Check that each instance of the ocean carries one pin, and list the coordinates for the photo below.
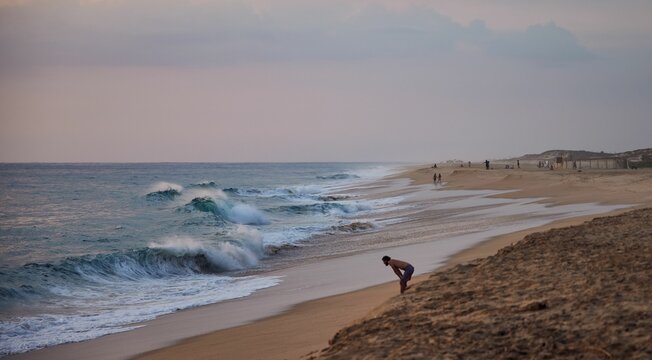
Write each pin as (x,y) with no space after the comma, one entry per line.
(90,249)
(93,249)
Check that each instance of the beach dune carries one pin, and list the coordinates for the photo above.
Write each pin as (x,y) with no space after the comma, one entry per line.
(576,292)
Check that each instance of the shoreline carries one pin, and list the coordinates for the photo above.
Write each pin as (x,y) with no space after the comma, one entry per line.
(306,326)
(293,334)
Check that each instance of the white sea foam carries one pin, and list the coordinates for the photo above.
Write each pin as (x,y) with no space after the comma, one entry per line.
(375,172)
(292,235)
(178,245)
(308,190)
(129,304)
(249,236)
(241,253)
(236,212)
(246,214)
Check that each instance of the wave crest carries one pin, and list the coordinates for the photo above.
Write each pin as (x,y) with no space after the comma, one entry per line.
(171,257)
(177,256)
(233,212)
(164,191)
(204,184)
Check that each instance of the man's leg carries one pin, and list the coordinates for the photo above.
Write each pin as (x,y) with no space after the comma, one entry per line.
(407,276)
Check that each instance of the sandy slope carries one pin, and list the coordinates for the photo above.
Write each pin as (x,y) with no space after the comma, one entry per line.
(576,292)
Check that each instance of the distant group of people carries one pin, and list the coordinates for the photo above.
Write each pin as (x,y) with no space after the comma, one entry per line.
(434,166)
(487,165)
(436,178)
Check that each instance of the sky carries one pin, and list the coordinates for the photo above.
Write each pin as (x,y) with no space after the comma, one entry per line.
(288,80)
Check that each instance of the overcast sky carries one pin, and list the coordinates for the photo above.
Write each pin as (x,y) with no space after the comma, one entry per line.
(287,80)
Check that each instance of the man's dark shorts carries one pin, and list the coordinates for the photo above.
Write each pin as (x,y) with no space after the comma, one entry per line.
(407,274)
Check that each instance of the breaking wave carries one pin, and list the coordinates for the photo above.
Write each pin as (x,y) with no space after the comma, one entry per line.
(204,184)
(225,210)
(164,191)
(111,292)
(172,257)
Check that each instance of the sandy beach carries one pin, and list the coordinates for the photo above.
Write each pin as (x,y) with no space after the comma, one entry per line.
(263,326)
(304,330)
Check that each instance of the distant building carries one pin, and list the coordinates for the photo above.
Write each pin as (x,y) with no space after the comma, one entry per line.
(580,159)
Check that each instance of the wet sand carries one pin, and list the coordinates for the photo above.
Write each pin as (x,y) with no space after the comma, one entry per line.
(306,328)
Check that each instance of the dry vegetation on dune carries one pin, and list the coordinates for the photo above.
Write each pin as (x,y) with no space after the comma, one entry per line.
(577,292)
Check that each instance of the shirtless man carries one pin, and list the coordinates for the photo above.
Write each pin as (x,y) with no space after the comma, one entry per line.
(397,266)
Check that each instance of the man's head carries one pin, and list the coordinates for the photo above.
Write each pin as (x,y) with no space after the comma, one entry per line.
(386,260)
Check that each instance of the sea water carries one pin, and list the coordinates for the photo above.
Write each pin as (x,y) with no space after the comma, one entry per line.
(91,249)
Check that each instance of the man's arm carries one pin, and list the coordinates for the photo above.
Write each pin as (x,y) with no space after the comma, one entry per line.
(397,272)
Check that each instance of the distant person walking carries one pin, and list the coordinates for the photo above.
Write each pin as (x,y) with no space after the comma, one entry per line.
(397,266)
(434,178)
(518,164)
(469,164)
(486,164)
(439,178)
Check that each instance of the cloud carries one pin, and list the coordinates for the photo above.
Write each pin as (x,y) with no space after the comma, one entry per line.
(176,33)
(547,44)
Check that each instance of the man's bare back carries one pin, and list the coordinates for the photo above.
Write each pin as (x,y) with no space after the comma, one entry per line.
(394,263)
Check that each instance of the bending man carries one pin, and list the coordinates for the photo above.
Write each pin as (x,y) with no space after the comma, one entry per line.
(397,266)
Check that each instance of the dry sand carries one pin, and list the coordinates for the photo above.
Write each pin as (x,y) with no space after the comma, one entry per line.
(306,328)
(576,292)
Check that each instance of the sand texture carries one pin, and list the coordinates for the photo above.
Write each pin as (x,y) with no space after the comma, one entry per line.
(576,292)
